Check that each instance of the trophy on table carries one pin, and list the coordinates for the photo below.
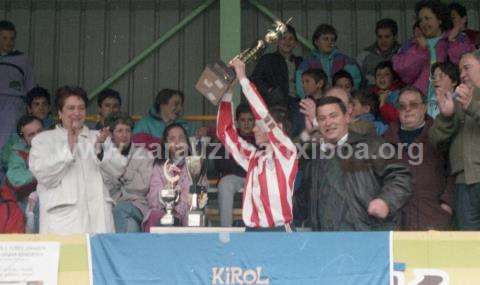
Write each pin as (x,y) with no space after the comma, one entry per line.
(196,169)
(170,195)
(217,77)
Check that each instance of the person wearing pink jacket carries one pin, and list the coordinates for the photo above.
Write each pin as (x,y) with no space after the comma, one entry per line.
(435,40)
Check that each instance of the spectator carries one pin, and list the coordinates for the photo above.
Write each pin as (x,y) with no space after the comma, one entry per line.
(166,110)
(432,202)
(456,130)
(314,82)
(382,50)
(328,58)
(365,108)
(347,193)
(108,101)
(276,71)
(274,76)
(271,168)
(38,105)
(436,40)
(344,80)
(233,175)
(358,126)
(175,150)
(458,13)
(20,185)
(66,163)
(386,88)
(129,183)
(445,77)
(15,82)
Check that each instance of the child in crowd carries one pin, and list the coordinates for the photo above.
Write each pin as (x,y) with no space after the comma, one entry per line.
(328,58)
(386,89)
(445,77)
(344,80)
(365,108)
(314,82)
(108,101)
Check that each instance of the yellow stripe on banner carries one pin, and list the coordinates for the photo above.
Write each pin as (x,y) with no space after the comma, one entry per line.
(452,255)
(73,264)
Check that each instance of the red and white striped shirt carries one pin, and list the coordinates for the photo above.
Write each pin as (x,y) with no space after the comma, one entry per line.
(267,197)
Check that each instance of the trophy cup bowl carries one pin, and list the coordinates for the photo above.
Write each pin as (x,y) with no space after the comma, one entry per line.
(168,197)
(217,77)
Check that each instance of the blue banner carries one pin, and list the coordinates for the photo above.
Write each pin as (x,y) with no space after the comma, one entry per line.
(241,258)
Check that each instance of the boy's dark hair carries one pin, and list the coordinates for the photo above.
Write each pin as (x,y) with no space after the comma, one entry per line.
(7,26)
(342,73)
(164,96)
(113,119)
(280,114)
(387,23)
(440,10)
(108,93)
(323,29)
(25,120)
(317,74)
(66,91)
(37,92)
(449,69)
(327,100)
(242,109)
(368,99)
(387,64)
(414,90)
(292,31)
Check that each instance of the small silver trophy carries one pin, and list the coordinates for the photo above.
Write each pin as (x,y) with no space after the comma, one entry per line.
(196,169)
(170,195)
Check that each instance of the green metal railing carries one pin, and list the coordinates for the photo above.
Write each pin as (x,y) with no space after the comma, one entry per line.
(144,54)
(149,50)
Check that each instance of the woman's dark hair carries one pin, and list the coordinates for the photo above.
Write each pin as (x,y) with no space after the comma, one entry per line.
(113,119)
(37,92)
(323,29)
(164,151)
(449,69)
(164,96)
(459,8)
(67,91)
(342,73)
(440,10)
(25,120)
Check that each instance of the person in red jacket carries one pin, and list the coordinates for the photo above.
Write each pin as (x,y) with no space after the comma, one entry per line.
(386,88)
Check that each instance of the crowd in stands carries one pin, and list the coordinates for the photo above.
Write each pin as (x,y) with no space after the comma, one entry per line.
(389,140)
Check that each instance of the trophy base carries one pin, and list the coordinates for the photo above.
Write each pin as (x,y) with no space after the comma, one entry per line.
(196,219)
(215,80)
(167,220)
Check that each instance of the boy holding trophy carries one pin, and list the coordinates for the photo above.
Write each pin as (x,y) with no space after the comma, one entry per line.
(271,168)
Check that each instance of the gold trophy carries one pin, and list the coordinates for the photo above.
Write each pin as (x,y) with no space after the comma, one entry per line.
(217,77)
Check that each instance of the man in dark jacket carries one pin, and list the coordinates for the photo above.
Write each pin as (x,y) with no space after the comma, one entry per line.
(353,183)
(431,205)
(274,76)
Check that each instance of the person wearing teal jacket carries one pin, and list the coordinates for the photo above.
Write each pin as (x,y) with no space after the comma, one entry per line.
(167,109)
(38,105)
(19,179)
(327,58)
